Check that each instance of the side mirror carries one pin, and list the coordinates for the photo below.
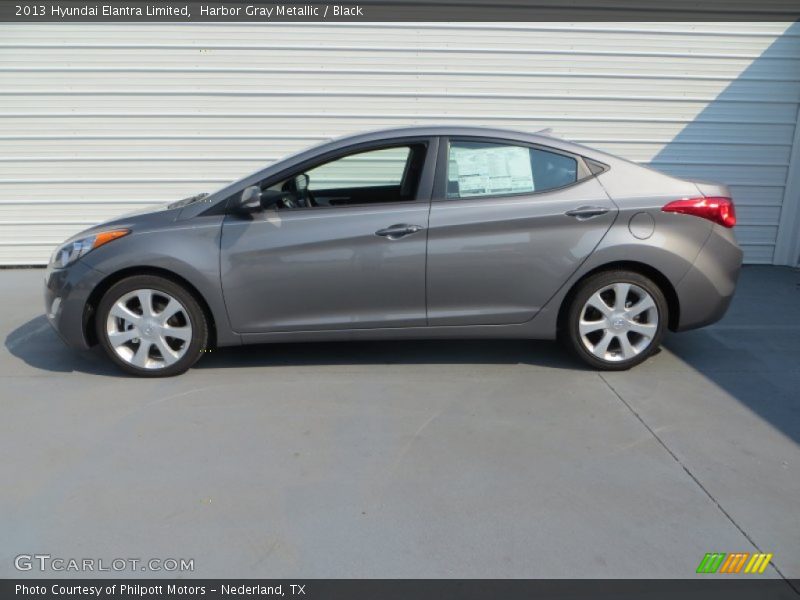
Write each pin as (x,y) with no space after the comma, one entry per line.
(250,200)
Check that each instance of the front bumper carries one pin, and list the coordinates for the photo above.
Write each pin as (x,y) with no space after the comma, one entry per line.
(706,291)
(66,295)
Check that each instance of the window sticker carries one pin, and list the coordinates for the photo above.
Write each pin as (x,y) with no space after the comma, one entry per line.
(491,170)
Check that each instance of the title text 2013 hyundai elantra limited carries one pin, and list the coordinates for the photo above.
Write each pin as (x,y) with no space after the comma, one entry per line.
(423,232)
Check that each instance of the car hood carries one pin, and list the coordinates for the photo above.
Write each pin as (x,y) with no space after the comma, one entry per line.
(140,220)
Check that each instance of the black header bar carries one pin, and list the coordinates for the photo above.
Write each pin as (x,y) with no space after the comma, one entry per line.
(366,11)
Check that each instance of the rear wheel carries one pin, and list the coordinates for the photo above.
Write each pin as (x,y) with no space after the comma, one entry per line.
(616,320)
(151,326)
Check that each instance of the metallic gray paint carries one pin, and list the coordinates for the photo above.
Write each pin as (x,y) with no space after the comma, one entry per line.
(712,275)
(318,269)
(66,292)
(494,261)
(190,249)
(496,267)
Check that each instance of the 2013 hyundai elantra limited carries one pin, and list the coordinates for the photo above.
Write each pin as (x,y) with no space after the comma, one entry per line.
(423,232)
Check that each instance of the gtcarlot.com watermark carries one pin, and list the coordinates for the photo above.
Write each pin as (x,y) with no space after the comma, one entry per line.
(48,563)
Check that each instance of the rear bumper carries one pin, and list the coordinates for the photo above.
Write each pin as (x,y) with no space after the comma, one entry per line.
(705,292)
(66,295)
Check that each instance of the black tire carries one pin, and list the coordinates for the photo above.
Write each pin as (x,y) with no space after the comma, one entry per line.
(571,336)
(193,313)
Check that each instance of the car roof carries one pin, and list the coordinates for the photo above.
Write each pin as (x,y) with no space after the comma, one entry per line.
(443,130)
(543,137)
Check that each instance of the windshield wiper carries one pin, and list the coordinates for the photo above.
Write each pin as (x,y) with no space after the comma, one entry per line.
(186,201)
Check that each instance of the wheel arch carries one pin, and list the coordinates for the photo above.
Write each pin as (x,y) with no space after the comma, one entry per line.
(89,330)
(661,280)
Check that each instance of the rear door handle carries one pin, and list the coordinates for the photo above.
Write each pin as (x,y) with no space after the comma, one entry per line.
(587,212)
(395,232)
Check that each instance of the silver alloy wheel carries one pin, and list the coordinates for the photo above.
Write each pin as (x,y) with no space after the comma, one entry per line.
(618,322)
(149,329)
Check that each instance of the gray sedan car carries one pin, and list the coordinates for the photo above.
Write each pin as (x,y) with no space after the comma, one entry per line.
(423,232)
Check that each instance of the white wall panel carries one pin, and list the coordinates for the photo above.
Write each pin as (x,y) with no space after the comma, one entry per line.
(97,120)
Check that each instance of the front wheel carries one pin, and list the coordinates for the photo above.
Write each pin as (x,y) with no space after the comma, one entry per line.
(151,326)
(616,320)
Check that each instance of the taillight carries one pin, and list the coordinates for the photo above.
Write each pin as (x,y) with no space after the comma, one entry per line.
(717,209)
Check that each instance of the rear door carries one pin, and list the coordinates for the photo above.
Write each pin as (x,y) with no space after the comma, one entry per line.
(509,224)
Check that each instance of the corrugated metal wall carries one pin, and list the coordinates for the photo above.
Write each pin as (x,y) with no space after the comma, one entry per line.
(97,120)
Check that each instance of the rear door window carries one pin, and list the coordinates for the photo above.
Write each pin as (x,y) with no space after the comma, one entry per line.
(476,169)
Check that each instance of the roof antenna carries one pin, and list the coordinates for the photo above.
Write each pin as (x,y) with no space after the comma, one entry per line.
(548,132)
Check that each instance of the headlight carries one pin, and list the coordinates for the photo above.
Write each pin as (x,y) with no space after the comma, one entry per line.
(68,253)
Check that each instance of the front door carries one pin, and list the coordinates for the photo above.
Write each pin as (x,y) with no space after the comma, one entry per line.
(343,249)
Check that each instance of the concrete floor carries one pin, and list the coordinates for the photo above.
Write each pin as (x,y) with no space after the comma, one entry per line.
(409,459)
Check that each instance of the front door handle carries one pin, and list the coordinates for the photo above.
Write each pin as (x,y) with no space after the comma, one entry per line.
(395,232)
(587,212)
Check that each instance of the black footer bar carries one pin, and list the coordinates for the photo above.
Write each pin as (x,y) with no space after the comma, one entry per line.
(405,589)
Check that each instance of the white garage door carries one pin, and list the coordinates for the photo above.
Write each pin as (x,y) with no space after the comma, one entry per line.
(97,120)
